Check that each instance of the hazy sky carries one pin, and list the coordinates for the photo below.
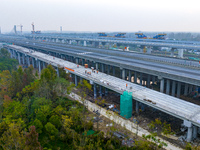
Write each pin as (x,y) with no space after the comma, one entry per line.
(101,15)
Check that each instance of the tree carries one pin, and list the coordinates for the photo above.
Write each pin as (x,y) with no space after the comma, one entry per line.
(38,125)
(51,130)
(32,140)
(13,138)
(4,53)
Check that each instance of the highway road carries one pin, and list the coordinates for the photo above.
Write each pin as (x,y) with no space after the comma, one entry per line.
(123,60)
(168,104)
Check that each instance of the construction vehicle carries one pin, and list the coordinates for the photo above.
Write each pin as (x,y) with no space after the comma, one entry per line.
(102,34)
(141,36)
(120,35)
(160,36)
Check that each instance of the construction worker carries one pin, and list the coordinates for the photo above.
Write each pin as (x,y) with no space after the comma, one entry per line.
(126,85)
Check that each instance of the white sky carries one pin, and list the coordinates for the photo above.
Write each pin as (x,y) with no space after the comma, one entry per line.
(101,15)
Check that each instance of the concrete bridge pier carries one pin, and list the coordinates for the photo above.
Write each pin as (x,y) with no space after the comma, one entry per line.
(23,59)
(190,88)
(78,42)
(84,43)
(162,83)
(108,68)
(172,52)
(28,60)
(180,53)
(83,62)
(141,77)
(178,89)
(168,87)
(76,83)
(33,62)
(19,58)
(39,66)
(135,77)
(189,134)
(173,88)
(106,92)
(186,90)
(95,91)
(43,65)
(102,68)
(194,132)
(113,70)
(149,50)
(123,73)
(129,76)
(100,90)
(137,107)
(97,66)
(57,71)
(77,60)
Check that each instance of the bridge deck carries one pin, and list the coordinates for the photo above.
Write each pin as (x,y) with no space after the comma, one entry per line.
(171,105)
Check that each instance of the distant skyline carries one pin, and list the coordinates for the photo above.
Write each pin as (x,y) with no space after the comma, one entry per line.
(101,15)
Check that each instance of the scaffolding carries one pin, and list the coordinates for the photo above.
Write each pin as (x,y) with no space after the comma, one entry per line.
(126,104)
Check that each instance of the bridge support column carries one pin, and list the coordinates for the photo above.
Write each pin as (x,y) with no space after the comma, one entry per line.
(153,79)
(186,90)
(102,68)
(23,59)
(172,52)
(76,83)
(11,55)
(108,69)
(77,60)
(190,88)
(149,50)
(57,70)
(84,43)
(106,92)
(28,60)
(162,83)
(33,62)
(168,87)
(180,53)
(189,134)
(129,76)
(194,132)
(97,66)
(135,77)
(123,73)
(95,91)
(179,89)
(137,107)
(173,88)
(113,70)
(148,80)
(39,66)
(100,90)
(141,76)
(43,65)
(19,59)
